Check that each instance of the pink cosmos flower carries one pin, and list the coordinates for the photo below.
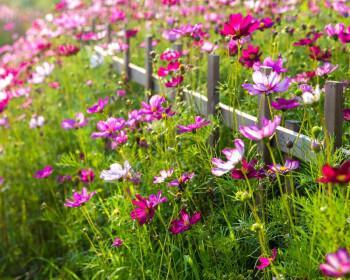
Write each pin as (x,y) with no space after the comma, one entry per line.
(285,104)
(337,264)
(78,122)
(265,262)
(320,55)
(170,55)
(276,65)
(233,157)
(172,66)
(164,174)
(267,84)
(289,165)
(145,208)
(311,38)
(43,173)
(117,242)
(185,222)
(98,107)
(180,182)
(79,199)
(334,31)
(121,92)
(116,15)
(120,139)
(174,81)
(54,85)
(247,171)
(87,175)
(346,114)
(198,123)
(154,110)
(109,128)
(239,26)
(325,69)
(256,133)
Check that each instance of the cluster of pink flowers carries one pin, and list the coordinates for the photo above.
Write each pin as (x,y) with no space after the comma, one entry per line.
(172,70)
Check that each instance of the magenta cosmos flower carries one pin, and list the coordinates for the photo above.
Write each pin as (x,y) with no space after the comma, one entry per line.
(98,107)
(67,50)
(109,128)
(233,157)
(247,171)
(337,264)
(170,55)
(155,110)
(266,261)
(78,122)
(276,65)
(184,222)
(78,199)
(145,208)
(198,123)
(43,173)
(255,133)
(285,104)
(250,56)
(239,26)
(4,100)
(117,242)
(346,114)
(267,84)
(87,175)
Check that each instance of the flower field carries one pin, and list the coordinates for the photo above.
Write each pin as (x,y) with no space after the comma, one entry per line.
(176,139)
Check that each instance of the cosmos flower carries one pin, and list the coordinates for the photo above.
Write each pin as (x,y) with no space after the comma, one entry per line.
(182,180)
(117,242)
(285,104)
(43,173)
(99,106)
(346,114)
(310,95)
(36,121)
(337,264)
(266,261)
(239,26)
(326,69)
(320,55)
(336,175)
(250,55)
(247,170)
(255,133)
(109,128)
(145,208)
(276,65)
(185,222)
(87,175)
(233,157)
(311,38)
(267,84)
(78,199)
(289,165)
(198,123)
(170,55)
(174,81)
(41,72)
(164,174)
(117,172)
(67,50)
(78,122)
(4,100)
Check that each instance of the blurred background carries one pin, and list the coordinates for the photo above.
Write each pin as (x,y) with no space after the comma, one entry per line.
(17,15)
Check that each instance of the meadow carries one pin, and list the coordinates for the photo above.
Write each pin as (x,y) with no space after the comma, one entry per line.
(102,178)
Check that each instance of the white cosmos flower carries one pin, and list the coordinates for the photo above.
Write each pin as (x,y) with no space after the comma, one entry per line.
(5,82)
(96,60)
(116,172)
(312,97)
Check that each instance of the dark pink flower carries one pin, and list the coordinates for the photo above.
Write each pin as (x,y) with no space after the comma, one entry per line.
(276,65)
(247,170)
(116,15)
(266,261)
(43,173)
(285,104)
(117,242)
(310,39)
(250,56)
(336,175)
(265,23)
(87,175)
(180,182)
(79,199)
(198,123)
(99,106)
(320,55)
(109,128)
(239,26)
(170,55)
(185,222)
(170,2)
(145,208)
(346,114)
(67,50)
(4,100)
(337,264)
(174,81)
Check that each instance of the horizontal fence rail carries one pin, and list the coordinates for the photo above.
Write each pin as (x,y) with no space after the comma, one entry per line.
(288,141)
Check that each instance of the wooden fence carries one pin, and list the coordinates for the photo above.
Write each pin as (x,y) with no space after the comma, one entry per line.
(288,139)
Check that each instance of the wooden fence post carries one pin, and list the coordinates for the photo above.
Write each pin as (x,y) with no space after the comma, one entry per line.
(333,111)
(127,56)
(109,33)
(264,112)
(213,92)
(148,67)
